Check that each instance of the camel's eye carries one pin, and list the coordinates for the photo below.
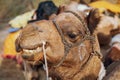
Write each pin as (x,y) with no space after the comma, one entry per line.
(72,35)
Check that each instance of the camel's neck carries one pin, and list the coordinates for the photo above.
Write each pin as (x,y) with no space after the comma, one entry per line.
(77,72)
(75,61)
(78,64)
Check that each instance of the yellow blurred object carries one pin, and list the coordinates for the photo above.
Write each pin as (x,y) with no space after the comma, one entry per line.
(118,5)
(107,5)
(60,2)
(1,59)
(9,44)
(21,20)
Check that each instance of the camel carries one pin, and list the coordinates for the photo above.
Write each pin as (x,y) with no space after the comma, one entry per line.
(66,46)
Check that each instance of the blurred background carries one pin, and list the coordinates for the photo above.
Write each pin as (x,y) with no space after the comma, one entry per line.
(9,9)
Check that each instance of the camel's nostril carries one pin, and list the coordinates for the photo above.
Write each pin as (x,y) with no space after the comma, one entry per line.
(18,48)
(17,45)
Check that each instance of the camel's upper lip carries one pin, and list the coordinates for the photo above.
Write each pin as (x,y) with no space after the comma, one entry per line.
(30,47)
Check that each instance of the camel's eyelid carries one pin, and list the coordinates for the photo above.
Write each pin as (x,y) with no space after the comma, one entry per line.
(72,35)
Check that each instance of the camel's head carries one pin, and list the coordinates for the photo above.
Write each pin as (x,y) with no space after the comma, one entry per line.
(42,37)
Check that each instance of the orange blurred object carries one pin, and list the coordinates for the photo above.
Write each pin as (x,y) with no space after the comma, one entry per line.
(107,5)
(9,44)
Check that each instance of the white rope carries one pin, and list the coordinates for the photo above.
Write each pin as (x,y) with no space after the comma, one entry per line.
(82,51)
(46,66)
(25,68)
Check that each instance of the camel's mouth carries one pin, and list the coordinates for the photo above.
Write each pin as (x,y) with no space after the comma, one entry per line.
(32,54)
(35,56)
(33,51)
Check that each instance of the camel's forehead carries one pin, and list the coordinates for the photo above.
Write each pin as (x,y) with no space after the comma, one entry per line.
(64,17)
(69,17)
(42,23)
(38,26)
(69,22)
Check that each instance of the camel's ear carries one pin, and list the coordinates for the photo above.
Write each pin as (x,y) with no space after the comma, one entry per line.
(93,19)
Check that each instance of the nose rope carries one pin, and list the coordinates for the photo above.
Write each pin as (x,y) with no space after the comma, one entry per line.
(25,68)
(46,66)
